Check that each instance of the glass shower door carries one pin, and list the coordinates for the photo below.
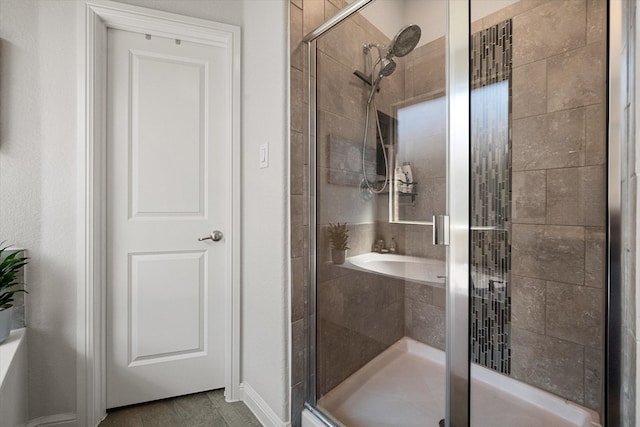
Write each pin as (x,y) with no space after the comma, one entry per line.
(538,212)
(458,168)
(388,166)
(478,156)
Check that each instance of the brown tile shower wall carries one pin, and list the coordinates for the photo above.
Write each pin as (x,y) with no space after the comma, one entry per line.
(559,198)
(558,136)
(299,230)
(424,306)
(425,80)
(359,314)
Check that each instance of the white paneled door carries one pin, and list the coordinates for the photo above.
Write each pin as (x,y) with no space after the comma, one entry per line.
(168,122)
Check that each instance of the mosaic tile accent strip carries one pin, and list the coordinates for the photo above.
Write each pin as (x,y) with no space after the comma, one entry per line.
(491,55)
(491,198)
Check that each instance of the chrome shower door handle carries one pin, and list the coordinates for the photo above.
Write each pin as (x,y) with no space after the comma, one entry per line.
(215,235)
(441,230)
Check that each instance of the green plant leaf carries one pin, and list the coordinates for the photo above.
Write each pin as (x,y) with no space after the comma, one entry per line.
(10,266)
(339,236)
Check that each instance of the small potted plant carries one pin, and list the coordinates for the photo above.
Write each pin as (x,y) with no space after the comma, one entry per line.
(10,264)
(339,237)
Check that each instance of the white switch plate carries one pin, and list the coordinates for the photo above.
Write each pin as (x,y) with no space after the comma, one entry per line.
(264,155)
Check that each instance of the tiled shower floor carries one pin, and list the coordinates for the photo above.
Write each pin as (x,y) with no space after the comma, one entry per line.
(405,387)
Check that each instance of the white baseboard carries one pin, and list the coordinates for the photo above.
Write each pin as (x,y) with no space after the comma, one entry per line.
(259,407)
(59,420)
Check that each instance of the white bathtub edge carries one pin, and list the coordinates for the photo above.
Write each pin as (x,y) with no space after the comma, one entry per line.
(352,263)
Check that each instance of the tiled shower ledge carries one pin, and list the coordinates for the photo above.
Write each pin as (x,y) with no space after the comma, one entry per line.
(405,386)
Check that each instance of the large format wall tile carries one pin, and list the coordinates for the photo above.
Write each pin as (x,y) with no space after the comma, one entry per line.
(558,268)
(298,289)
(562,196)
(419,293)
(549,363)
(339,91)
(298,166)
(595,257)
(510,11)
(574,313)
(549,141)
(418,242)
(298,56)
(592,195)
(330,301)
(529,90)
(341,352)
(596,20)
(528,298)
(549,252)
(349,54)
(554,27)
(593,376)
(596,135)
(359,315)
(299,241)
(312,15)
(576,196)
(576,78)
(298,345)
(529,193)
(299,99)
(429,73)
(425,323)
(336,126)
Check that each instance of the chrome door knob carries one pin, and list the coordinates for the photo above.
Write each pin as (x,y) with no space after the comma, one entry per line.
(215,235)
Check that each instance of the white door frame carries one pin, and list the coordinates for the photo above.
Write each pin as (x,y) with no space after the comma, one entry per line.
(94,18)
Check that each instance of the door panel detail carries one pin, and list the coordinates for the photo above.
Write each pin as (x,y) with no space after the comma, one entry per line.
(175,282)
(168,134)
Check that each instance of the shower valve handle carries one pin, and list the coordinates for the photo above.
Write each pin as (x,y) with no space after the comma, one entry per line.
(215,235)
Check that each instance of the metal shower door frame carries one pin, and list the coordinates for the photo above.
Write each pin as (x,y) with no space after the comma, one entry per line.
(458,186)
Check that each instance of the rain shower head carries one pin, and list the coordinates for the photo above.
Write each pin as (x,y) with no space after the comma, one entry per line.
(405,41)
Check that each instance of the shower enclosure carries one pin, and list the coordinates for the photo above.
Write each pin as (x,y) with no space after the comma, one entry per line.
(464,146)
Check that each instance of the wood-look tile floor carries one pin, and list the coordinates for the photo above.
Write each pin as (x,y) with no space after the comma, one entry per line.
(194,410)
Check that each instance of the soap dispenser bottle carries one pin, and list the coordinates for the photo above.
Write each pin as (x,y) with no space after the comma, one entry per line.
(400,177)
(406,168)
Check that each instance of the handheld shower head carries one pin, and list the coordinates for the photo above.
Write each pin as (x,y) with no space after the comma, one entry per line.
(403,43)
(387,66)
